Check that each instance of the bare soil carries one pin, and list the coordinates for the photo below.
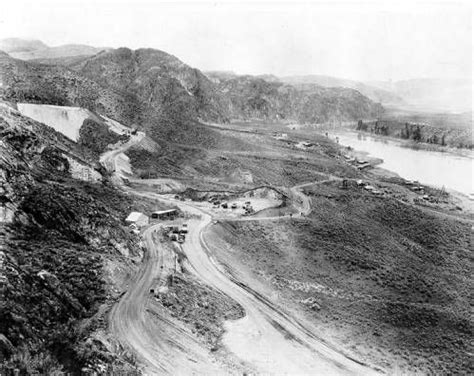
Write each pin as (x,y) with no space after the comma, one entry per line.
(387,281)
(202,308)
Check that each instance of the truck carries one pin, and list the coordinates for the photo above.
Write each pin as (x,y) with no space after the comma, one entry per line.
(184,228)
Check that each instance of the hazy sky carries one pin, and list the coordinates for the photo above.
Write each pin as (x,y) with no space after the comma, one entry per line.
(358,40)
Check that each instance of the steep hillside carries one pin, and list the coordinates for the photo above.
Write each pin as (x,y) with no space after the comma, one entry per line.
(149,89)
(255,98)
(158,80)
(56,234)
(22,81)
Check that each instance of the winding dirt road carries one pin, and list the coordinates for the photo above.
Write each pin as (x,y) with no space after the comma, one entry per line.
(160,343)
(267,339)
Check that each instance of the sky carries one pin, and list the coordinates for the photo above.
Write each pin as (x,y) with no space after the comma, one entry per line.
(352,39)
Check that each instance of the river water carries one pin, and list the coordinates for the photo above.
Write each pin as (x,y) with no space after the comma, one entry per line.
(433,168)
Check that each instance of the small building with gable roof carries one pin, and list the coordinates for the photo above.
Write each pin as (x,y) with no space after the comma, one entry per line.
(137,218)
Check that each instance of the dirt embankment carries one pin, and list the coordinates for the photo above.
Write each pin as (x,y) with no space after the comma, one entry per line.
(387,281)
(202,308)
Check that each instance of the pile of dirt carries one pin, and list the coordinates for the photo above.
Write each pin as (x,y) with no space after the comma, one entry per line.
(388,281)
(201,307)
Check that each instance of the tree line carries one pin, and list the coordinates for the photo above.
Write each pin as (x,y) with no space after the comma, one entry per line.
(408,132)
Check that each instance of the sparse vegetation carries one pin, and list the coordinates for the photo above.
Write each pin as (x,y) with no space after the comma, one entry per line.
(388,274)
(200,306)
(390,280)
(53,251)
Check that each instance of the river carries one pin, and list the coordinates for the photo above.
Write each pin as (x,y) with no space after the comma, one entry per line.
(433,168)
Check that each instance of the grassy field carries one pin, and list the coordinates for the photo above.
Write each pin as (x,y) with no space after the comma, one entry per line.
(387,281)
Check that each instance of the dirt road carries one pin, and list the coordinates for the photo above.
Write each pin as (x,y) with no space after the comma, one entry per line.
(268,339)
(161,344)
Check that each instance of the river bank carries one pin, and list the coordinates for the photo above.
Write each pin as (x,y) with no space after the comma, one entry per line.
(410,144)
(440,170)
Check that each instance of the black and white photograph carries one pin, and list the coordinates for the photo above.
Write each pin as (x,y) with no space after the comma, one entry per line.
(236,188)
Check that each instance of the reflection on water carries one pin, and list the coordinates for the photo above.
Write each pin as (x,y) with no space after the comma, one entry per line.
(428,167)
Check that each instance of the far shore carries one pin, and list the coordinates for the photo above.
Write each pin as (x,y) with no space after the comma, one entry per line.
(462,152)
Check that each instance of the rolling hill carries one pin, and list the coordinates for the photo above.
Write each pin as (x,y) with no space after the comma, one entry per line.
(379,95)
(34,49)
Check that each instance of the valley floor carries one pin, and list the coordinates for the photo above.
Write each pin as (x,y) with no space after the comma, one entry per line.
(349,283)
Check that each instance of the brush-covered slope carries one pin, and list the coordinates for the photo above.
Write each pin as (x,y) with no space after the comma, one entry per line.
(389,281)
(162,95)
(146,88)
(22,81)
(252,97)
(55,235)
(158,80)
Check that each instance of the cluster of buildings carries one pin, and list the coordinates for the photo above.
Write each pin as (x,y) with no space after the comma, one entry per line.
(137,220)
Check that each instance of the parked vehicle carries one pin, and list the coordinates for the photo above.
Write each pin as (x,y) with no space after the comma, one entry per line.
(225,205)
(234,206)
(184,228)
(175,230)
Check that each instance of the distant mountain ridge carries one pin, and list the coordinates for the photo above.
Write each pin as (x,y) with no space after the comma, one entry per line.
(432,94)
(35,49)
(379,95)
(253,97)
(157,92)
